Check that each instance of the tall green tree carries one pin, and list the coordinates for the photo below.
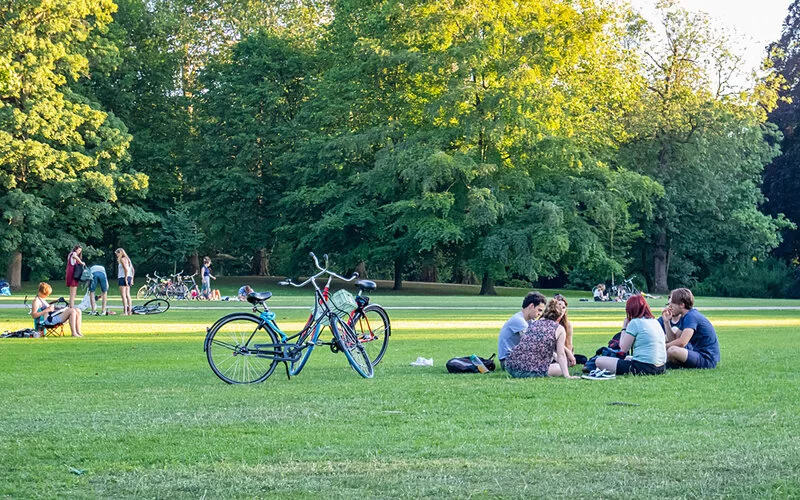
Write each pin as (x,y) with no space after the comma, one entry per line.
(62,158)
(704,142)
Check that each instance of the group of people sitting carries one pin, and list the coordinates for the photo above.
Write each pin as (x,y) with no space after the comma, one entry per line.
(537,341)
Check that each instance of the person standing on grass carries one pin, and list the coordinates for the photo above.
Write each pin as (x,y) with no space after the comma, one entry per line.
(99,277)
(693,342)
(532,307)
(642,333)
(533,356)
(124,280)
(207,277)
(73,259)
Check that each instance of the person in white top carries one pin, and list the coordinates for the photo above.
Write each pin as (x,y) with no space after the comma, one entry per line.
(124,279)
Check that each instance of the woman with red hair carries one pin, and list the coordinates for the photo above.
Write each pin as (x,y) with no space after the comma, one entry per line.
(642,332)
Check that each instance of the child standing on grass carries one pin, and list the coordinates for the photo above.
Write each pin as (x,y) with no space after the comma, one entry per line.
(207,277)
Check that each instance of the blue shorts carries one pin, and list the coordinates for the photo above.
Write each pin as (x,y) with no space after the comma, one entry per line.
(100,278)
(695,359)
(122,282)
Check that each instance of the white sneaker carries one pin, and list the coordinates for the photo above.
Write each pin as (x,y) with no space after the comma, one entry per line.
(599,375)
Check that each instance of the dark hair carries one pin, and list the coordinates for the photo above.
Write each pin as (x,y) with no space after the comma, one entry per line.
(682,296)
(534,298)
(637,307)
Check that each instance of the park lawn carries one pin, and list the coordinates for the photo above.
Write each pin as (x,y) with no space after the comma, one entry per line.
(135,407)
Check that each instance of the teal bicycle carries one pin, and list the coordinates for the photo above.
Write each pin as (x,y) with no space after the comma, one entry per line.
(245,348)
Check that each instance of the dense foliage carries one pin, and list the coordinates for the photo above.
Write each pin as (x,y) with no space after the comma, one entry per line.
(457,141)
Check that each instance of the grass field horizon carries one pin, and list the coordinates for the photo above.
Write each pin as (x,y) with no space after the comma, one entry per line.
(133,410)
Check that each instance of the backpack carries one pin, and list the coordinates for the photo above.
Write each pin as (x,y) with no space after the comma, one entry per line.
(464,365)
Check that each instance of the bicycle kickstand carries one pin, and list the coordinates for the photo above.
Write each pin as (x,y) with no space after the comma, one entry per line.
(286,365)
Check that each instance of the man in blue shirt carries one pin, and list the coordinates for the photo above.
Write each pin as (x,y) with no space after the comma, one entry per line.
(532,307)
(692,342)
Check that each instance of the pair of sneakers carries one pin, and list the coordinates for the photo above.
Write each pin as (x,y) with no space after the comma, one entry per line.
(599,374)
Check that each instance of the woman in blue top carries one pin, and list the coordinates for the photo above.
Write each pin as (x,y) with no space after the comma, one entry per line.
(642,332)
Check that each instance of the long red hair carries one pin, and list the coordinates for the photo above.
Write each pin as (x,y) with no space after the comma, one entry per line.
(637,307)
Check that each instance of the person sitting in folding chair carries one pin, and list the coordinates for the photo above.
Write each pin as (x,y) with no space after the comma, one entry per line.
(44,315)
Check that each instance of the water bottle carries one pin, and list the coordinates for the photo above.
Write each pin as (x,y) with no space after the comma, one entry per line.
(478,364)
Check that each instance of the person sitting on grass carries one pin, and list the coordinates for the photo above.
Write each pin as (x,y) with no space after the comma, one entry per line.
(693,342)
(244,292)
(44,315)
(642,333)
(533,355)
(532,307)
(599,293)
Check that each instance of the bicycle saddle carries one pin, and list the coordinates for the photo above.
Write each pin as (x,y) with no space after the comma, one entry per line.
(366,285)
(258,297)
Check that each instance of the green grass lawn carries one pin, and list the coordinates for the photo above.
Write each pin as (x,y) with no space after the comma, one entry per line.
(135,406)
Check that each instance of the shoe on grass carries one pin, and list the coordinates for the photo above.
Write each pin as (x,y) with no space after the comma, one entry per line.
(599,375)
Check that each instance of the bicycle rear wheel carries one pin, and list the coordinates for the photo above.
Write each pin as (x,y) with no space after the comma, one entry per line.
(373,329)
(346,338)
(142,293)
(240,350)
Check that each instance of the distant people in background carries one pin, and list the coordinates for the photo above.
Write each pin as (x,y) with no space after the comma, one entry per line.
(600,294)
(244,292)
(99,277)
(215,295)
(44,315)
(642,333)
(692,342)
(532,307)
(207,277)
(73,258)
(533,355)
(125,274)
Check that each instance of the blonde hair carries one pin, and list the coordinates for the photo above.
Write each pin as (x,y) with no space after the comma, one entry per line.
(121,255)
(45,289)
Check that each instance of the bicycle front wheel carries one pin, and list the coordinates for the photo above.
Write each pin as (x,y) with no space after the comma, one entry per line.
(155,306)
(373,329)
(346,338)
(142,293)
(240,350)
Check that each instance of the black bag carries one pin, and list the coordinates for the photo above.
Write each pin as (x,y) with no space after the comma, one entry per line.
(464,365)
(21,334)
(77,272)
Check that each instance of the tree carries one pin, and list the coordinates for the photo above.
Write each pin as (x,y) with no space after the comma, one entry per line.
(62,157)
(782,176)
(704,142)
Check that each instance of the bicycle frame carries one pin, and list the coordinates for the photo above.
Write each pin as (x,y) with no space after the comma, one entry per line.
(291,348)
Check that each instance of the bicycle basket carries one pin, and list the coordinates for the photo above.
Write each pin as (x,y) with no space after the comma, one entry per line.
(342,303)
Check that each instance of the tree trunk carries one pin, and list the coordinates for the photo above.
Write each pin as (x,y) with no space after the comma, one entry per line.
(361,269)
(487,285)
(261,264)
(398,274)
(430,273)
(14,271)
(660,263)
(195,260)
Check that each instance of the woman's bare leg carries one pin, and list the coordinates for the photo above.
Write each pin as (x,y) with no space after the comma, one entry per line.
(72,292)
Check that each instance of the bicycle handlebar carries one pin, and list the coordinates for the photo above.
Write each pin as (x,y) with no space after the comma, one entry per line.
(326,270)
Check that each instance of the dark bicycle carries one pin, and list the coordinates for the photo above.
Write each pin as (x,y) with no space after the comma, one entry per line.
(153,306)
(245,348)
